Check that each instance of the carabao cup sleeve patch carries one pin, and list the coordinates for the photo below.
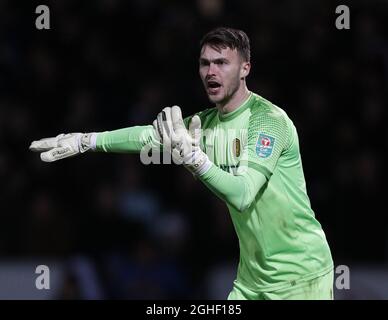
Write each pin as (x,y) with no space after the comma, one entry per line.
(264,145)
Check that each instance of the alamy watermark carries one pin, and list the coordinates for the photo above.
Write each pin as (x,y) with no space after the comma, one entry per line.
(343,20)
(43,20)
(43,280)
(342,277)
(234,142)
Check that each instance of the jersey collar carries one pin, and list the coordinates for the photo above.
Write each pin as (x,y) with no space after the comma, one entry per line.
(235,113)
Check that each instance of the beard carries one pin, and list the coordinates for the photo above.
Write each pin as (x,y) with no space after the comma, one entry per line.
(228,93)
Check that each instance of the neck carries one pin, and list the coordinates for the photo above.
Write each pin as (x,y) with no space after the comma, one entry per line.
(235,101)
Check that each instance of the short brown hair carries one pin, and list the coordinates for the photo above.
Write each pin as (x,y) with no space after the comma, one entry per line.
(221,38)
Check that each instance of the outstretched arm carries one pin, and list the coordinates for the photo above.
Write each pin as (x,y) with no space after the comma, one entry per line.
(127,140)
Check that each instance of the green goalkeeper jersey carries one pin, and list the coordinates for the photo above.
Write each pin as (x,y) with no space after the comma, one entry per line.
(257,170)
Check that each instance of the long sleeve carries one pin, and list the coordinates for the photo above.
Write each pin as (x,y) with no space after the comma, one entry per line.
(238,191)
(127,140)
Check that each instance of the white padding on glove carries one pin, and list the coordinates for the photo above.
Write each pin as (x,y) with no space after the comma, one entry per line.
(183,144)
(63,146)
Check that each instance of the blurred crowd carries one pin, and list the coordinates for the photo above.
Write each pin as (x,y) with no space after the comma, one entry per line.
(154,231)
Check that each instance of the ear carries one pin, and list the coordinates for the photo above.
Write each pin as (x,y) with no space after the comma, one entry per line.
(245,68)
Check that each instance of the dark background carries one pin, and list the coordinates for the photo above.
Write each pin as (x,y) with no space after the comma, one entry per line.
(153,231)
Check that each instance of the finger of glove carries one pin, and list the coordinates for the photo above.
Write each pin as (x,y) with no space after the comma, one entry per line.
(195,128)
(155,125)
(168,125)
(177,120)
(165,122)
(159,126)
(45,144)
(57,154)
(161,119)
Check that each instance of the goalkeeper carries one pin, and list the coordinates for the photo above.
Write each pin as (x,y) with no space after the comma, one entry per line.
(247,153)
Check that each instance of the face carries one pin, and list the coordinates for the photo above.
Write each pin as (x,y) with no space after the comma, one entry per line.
(222,72)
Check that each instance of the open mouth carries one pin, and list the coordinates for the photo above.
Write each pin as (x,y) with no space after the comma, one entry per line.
(213,84)
(213,87)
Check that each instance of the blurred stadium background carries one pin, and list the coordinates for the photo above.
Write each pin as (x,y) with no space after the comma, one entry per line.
(111,228)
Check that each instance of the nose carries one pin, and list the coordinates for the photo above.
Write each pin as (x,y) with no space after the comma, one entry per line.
(211,71)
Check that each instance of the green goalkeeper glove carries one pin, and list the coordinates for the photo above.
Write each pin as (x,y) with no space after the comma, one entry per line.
(64,146)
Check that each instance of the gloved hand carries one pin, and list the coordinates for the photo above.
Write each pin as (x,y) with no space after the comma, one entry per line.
(64,146)
(183,144)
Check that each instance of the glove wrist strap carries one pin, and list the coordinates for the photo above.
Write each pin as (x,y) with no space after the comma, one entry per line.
(87,142)
(201,166)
